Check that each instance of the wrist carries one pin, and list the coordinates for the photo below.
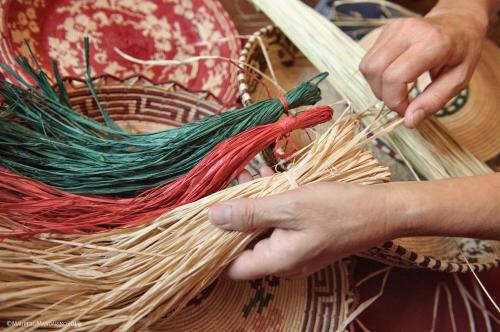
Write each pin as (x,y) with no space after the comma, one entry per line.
(389,210)
(406,209)
(466,207)
(479,12)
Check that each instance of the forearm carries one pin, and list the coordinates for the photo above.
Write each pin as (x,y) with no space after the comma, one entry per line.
(319,223)
(463,207)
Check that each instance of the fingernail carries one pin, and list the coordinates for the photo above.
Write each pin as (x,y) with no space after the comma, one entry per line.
(415,118)
(220,215)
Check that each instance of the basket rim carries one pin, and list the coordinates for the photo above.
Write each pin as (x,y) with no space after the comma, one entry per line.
(245,96)
(74,82)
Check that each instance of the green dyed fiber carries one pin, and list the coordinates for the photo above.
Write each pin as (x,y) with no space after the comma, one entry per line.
(43,138)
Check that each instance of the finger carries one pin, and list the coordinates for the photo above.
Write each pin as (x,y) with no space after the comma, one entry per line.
(266,171)
(385,35)
(252,264)
(246,214)
(245,176)
(374,65)
(268,257)
(389,33)
(437,71)
(415,61)
(436,95)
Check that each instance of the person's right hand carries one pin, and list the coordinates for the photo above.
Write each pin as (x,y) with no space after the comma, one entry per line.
(312,227)
(447,42)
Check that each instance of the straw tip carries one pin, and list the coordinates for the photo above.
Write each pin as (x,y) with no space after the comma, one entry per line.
(319,78)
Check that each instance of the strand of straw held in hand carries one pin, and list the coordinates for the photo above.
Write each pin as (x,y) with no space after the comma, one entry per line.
(43,138)
(35,208)
(131,278)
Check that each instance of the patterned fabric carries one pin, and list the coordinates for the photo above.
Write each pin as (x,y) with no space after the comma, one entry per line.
(146,29)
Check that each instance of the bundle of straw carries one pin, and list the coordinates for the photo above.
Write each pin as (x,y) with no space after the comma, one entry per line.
(52,143)
(429,150)
(38,208)
(131,278)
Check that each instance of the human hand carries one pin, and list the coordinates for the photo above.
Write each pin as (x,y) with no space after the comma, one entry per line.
(312,227)
(447,42)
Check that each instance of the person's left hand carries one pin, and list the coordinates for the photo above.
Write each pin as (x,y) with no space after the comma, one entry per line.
(447,42)
(312,227)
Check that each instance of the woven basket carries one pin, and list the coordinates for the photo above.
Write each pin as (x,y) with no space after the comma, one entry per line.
(320,302)
(148,29)
(290,67)
(139,106)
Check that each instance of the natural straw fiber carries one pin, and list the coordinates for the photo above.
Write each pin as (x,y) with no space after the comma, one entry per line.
(331,50)
(443,254)
(472,117)
(131,278)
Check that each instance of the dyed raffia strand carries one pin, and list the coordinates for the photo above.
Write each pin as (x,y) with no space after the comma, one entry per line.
(37,208)
(131,278)
(50,142)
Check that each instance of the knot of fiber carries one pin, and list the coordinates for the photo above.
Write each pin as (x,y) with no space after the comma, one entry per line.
(287,125)
(284,102)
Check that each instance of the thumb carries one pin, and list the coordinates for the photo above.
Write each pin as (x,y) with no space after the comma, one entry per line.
(247,214)
(436,95)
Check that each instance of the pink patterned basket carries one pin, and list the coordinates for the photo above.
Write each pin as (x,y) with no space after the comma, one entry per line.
(146,29)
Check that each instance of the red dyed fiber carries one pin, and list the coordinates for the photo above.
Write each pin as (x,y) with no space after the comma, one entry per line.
(37,208)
